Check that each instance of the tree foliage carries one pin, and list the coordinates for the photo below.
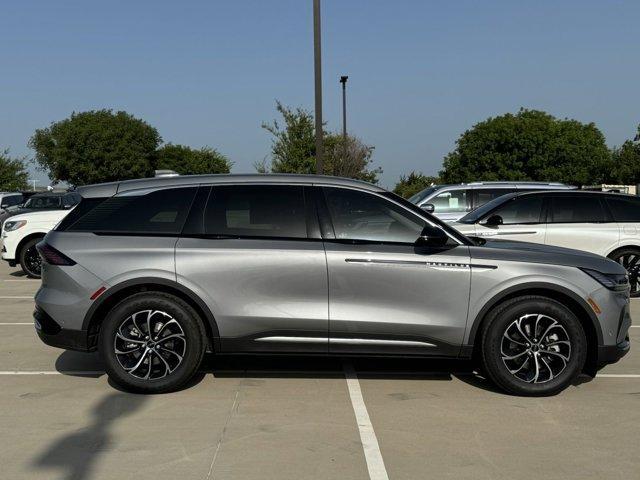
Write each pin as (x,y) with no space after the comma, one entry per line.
(625,167)
(189,161)
(413,183)
(96,146)
(530,145)
(13,173)
(293,149)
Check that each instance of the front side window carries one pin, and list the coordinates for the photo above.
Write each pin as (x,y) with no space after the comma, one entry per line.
(41,203)
(256,211)
(161,212)
(484,195)
(624,209)
(364,216)
(451,201)
(525,209)
(576,209)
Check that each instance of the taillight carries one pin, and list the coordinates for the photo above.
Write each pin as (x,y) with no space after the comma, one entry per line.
(52,256)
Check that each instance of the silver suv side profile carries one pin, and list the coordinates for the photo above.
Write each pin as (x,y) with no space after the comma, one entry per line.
(154,273)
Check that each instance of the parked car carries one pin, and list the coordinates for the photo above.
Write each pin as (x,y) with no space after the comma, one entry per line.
(21,233)
(452,202)
(607,224)
(44,201)
(7,201)
(152,273)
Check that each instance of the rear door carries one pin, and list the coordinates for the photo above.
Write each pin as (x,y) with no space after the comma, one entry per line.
(254,254)
(581,221)
(387,295)
(522,220)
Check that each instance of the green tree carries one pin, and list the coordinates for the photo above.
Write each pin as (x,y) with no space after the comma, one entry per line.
(413,183)
(626,162)
(96,146)
(13,173)
(530,145)
(189,161)
(293,149)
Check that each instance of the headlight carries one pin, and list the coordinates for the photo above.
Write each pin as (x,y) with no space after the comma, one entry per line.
(10,226)
(613,281)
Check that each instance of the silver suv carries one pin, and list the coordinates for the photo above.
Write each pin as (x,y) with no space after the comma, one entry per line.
(153,273)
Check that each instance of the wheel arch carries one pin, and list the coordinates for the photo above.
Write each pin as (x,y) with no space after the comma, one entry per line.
(23,242)
(571,300)
(113,295)
(635,246)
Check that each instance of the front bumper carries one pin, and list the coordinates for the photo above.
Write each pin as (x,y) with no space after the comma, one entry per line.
(612,353)
(55,336)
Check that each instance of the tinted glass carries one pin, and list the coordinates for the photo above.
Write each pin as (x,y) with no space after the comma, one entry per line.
(576,209)
(157,212)
(363,216)
(44,202)
(624,209)
(484,195)
(11,200)
(525,209)
(451,201)
(256,211)
(421,195)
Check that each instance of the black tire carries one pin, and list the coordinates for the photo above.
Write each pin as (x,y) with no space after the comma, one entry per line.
(629,258)
(30,260)
(556,363)
(160,359)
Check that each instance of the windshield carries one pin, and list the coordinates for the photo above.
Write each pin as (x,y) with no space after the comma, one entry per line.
(36,203)
(421,195)
(478,213)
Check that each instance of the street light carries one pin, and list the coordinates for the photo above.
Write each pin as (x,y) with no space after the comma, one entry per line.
(343,81)
(318,84)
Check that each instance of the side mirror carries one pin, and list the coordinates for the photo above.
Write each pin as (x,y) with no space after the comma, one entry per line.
(432,237)
(428,207)
(494,221)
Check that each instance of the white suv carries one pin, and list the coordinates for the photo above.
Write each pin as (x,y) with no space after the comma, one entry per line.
(22,232)
(604,223)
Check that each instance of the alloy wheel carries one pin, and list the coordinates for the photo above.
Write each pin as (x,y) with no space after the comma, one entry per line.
(150,344)
(631,262)
(535,348)
(33,261)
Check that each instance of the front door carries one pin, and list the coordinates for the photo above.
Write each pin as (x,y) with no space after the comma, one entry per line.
(387,295)
(257,259)
(522,220)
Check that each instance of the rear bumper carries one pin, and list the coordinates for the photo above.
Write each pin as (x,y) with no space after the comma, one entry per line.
(53,335)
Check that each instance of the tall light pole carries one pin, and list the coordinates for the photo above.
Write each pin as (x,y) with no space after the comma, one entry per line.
(343,81)
(317,58)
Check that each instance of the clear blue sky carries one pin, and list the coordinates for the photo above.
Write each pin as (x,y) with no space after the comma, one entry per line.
(420,72)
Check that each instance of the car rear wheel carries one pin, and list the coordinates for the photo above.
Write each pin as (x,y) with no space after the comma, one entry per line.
(30,260)
(533,346)
(629,258)
(152,342)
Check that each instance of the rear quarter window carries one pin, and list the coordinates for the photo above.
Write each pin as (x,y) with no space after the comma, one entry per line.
(624,209)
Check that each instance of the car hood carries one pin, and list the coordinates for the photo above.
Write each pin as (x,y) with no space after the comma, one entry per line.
(42,216)
(539,253)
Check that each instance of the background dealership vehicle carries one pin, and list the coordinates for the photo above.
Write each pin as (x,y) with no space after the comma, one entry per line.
(451,202)
(604,223)
(21,233)
(44,201)
(8,200)
(153,272)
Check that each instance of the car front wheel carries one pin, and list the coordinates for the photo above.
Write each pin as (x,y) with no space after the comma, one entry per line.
(533,346)
(30,260)
(152,342)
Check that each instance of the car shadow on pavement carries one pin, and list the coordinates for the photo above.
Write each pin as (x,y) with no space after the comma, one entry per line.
(79,364)
(76,452)
(18,273)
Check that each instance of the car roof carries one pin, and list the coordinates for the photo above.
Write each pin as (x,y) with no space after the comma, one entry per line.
(49,194)
(110,189)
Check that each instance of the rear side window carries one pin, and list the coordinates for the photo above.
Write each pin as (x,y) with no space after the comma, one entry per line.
(624,209)
(256,211)
(160,212)
(525,209)
(576,209)
(484,195)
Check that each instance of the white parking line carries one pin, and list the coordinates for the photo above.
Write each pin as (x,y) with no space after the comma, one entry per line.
(17,297)
(51,372)
(617,375)
(372,454)
(16,323)
(21,280)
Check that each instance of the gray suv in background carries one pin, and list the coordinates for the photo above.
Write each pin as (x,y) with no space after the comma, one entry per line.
(452,202)
(152,273)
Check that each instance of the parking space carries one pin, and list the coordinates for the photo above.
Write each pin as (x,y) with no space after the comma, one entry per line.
(293,418)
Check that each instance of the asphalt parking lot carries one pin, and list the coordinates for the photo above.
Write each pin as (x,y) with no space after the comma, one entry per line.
(299,418)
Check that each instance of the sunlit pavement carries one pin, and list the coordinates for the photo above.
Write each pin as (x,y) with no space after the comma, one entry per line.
(295,418)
